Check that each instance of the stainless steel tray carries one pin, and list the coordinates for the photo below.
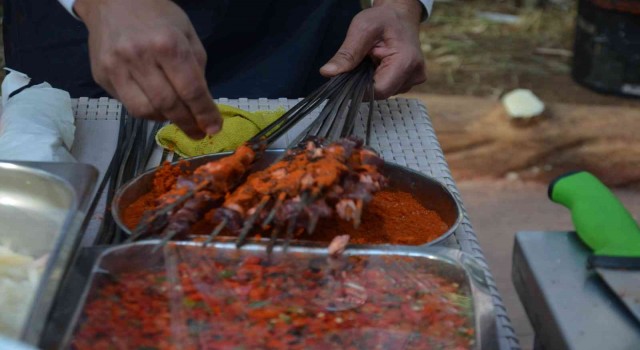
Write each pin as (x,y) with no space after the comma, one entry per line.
(428,191)
(452,264)
(42,207)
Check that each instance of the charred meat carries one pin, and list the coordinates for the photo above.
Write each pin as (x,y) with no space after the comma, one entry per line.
(311,182)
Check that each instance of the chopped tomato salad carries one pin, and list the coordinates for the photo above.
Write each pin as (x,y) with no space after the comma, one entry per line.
(221,299)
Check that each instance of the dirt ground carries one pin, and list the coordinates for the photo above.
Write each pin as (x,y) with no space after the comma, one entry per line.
(467,54)
(499,209)
(470,56)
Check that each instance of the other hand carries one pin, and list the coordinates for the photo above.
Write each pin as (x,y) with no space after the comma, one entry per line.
(146,53)
(389,33)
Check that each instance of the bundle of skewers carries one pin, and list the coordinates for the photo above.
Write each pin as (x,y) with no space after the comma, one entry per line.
(325,172)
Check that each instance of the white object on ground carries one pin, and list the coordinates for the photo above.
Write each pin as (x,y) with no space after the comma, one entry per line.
(551,51)
(497,17)
(37,123)
(522,103)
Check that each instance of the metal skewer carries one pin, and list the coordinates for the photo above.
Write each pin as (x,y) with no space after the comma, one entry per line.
(260,141)
(272,213)
(248,224)
(215,232)
(336,120)
(343,95)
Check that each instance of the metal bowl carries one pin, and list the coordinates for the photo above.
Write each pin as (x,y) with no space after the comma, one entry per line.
(42,207)
(427,191)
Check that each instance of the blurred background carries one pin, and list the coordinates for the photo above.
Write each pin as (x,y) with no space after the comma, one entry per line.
(479,50)
(485,48)
(566,52)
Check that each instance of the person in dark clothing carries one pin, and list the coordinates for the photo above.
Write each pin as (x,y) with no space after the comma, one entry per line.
(165,59)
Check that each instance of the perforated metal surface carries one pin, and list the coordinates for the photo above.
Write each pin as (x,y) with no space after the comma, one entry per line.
(401,131)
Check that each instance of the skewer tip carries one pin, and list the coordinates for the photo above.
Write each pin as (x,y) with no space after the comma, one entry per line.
(216,231)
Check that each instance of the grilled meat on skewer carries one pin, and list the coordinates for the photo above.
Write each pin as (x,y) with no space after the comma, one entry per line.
(195,195)
(210,183)
(310,183)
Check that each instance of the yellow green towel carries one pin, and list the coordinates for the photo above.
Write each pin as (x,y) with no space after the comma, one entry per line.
(238,126)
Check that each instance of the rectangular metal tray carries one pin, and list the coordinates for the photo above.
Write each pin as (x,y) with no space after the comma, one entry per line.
(454,264)
(42,209)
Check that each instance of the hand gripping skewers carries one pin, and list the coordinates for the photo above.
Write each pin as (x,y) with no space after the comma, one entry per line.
(313,180)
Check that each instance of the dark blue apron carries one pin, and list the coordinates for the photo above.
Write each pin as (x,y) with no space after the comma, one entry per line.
(255,48)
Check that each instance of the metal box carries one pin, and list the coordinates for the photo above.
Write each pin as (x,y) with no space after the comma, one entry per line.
(42,209)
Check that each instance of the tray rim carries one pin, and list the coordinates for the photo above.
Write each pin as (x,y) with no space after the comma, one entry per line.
(79,179)
(484,309)
(39,299)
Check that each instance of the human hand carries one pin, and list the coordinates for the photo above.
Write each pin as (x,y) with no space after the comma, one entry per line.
(147,54)
(389,33)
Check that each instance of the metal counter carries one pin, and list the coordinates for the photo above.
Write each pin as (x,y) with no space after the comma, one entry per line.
(568,305)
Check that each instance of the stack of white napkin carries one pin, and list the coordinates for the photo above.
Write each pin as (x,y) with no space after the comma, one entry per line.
(37,123)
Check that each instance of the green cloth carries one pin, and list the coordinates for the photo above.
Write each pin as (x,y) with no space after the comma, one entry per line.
(238,126)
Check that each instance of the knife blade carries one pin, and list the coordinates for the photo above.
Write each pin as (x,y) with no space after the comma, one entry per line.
(608,229)
(626,286)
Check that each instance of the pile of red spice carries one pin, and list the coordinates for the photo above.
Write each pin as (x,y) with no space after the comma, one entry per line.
(164,179)
(221,300)
(166,176)
(392,217)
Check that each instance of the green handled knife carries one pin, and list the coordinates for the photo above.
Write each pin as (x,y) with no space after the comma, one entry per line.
(605,226)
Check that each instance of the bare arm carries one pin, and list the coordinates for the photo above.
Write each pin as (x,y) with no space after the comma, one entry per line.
(147,54)
(389,33)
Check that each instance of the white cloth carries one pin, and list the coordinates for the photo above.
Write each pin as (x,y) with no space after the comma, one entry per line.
(428,5)
(37,123)
(68,5)
(11,344)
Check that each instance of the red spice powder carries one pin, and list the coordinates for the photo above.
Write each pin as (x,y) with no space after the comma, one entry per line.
(392,217)
(167,175)
(164,179)
(132,214)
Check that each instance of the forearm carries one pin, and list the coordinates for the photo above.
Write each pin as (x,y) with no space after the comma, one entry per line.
(79,8)
(83,8)
(388,32)
(134,47)
(414,10)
